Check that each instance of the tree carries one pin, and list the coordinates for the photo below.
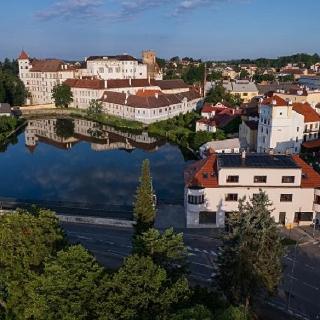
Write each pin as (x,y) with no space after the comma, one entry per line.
(25,242)
(64,128)
(62,95)
(140,290)
(251,258)
(167,250)
(234,313)
(194,74)
(95,108)
(144,206)
(199,138)
(243,74)
(12,88)
(67,288)
(219,94)
(198,312)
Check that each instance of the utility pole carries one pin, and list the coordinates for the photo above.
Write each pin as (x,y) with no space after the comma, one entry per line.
(204,80)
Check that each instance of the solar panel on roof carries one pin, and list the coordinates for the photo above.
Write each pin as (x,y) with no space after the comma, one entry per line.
(256,161)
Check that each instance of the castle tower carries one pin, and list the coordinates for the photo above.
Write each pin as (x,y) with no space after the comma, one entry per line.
(24,67)
(149,58)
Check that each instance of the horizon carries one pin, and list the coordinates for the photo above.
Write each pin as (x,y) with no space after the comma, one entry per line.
(203,29)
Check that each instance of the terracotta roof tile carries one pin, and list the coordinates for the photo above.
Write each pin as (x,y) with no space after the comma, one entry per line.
(23,55)
(310,178)
(305,109)
(275,101)
(86,83)
(202,173)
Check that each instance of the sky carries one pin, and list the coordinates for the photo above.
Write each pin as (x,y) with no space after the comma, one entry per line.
(207,29)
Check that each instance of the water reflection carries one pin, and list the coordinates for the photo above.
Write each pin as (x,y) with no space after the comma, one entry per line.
(63,164)
(65,133)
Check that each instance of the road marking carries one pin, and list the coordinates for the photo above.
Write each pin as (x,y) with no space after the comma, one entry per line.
(213,253)
(202,264)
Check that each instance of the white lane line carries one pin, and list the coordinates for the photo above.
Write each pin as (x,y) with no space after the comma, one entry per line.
(213,253)
(202,264)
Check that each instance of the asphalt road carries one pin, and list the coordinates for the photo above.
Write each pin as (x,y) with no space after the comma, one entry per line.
(301,278)
(111,245)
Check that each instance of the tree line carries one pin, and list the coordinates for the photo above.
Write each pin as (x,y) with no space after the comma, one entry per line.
(12,89)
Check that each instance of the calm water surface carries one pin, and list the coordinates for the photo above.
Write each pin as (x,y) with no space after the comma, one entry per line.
(88,165)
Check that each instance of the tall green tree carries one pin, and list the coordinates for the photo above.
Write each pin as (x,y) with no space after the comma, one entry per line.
(251,258)
(62,95)
(144,206)
(140,290)
(67,288)
(167,250)
(26,241)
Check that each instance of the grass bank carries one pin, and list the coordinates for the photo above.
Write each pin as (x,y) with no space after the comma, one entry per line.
(8,125)
(181,130)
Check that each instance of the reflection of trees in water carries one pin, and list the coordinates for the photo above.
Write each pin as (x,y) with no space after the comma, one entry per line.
(97,131)
(64,128)
(12,140)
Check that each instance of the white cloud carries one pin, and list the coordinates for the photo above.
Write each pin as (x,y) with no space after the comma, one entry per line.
(127,9)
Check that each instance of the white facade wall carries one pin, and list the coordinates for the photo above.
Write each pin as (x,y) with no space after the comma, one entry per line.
(116,69)
(280,129)
(215,198)
(150,115)
(40,84)
(83,96)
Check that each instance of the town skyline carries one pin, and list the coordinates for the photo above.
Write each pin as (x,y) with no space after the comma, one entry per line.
(77,28)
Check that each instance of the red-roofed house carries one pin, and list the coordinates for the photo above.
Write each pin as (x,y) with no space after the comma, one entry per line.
(213,187)
(284,126)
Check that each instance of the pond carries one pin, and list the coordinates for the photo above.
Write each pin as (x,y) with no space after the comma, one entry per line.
(76,162)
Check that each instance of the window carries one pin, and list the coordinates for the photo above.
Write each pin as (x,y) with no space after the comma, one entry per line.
(303,216)
(288,179)
(260,179)
(231,197)
(196,199)
(207,217)
(232,179)
(286,197)
(282,218)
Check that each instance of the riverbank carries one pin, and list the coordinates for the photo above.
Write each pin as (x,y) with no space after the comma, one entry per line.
(179,130)
(8,127)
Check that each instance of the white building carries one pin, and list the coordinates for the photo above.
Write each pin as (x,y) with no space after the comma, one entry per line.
(40,77)
(116,67)
(284,126)
(220,146)
(213,187)
(149,108)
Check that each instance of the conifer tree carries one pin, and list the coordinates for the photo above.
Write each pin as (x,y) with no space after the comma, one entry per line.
(251,257)
(144,206)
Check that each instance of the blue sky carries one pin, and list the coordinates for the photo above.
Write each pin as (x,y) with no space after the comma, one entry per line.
(209,29)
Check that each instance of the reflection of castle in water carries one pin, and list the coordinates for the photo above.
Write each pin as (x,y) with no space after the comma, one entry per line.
(65,133)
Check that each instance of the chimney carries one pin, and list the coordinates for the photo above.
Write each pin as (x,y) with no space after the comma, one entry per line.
(274,102)
(243,155)
(106,84)
(149,80)
(130,82)
(156,95)
(127,96)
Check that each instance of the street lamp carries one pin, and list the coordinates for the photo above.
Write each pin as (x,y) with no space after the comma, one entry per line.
(292,271)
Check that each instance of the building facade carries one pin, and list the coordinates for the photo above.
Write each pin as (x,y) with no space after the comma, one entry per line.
(284,126)
(214,186)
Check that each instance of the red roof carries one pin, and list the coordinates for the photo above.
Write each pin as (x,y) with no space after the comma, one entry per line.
(209,122)
(147,93)
(86,83)
(310,178)
(314,144)
(23,55)
(310,115)
(202,173)
(275,101)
